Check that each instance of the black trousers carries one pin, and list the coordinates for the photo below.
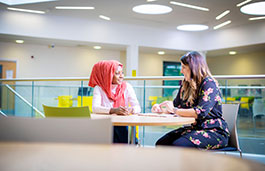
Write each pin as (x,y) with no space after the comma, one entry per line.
(174,138)
(120,134)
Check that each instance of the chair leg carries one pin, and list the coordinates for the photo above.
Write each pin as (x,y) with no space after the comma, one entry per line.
(240,154)
(254,124)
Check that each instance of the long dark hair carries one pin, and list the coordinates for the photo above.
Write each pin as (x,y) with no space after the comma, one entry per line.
(199,70)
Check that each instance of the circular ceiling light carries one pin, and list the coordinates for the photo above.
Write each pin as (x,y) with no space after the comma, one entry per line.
(19,41)
(192,27)
(232,52)
(152,9)
(97,47)
(161,53)
(257,8)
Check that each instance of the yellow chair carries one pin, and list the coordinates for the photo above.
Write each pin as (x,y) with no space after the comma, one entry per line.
(244,103)
(66,111)
(86,101)
(65,101)
(230,99)
(153,99)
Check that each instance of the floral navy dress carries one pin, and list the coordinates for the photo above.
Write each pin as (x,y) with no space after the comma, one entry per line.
(210,130)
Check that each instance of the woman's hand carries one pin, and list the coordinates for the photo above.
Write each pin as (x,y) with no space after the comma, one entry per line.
(156,108)
(119,111)
(167,107)
(131,110)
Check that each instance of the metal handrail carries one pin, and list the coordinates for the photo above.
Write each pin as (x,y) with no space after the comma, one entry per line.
(2,114)
(24,100)
(219,77)
(139,86)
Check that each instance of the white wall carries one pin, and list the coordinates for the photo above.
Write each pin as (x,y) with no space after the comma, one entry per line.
(78,61)
(72,61)
(53,62)
(241,64)
(152,64)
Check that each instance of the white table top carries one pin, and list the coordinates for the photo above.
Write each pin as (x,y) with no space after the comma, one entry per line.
(148,119)
(83,157)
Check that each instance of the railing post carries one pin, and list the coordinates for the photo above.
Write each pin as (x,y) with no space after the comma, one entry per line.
(32,100)
(144,97)
(226,90)
(144,112)
(7,102)
(81,93)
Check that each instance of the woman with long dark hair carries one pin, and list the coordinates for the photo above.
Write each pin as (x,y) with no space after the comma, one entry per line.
(198,97)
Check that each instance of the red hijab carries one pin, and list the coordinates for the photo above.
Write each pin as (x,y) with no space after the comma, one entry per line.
(102,75)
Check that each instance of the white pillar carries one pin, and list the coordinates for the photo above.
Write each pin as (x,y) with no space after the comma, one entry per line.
(132,57)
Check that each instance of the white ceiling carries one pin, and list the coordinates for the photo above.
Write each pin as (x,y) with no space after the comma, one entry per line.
(120,11)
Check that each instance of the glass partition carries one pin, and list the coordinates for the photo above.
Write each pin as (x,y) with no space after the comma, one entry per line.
(26,97)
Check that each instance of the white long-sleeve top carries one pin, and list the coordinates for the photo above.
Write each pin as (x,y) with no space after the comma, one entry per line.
(102,104)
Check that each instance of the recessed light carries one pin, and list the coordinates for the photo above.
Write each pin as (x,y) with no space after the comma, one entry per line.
(151,0)
(74,8)
(257,8)
(243,3)
(23,2)
(152,9)
(232,52)
(222,15)
(257,18)
(222,25)
(192,27)
(189,6)
(26,10)
(97,47)
(104,17)
(161,53)
(19,41)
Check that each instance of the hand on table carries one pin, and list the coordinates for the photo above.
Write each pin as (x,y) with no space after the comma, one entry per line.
(156,109)
(167,107)
(119,111)
(131,110)
(164,107)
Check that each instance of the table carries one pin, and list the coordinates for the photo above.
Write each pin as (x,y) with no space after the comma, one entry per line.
(63,156)
(149,119)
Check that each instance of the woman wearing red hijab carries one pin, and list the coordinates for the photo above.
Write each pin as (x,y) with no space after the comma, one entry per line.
(112,95)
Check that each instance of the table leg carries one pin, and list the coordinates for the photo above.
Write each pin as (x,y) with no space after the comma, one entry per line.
(131,134)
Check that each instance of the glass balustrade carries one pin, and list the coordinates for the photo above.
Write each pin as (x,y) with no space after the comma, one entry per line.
(25,98)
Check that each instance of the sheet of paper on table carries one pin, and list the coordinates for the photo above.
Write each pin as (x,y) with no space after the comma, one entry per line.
(156,115)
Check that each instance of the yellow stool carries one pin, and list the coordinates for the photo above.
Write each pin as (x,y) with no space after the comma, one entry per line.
(244,103)
(230,99)
(86,101)
(153,99)
(65,101)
